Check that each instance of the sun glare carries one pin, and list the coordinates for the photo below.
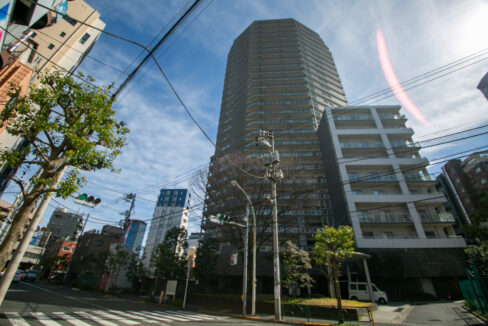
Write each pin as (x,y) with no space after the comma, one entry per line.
(392,80)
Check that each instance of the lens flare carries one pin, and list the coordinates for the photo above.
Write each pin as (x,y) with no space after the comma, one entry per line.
(392,80)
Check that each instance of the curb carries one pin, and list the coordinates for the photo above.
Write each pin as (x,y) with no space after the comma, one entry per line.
(477,314)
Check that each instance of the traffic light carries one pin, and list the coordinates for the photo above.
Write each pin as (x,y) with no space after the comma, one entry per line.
(233,258)
(90,201)
(223,218)
(219,218)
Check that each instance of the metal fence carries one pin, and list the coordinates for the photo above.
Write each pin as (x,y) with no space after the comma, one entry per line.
(474,290)
(327,313)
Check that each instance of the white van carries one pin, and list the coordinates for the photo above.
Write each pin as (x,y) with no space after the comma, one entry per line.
(359,291)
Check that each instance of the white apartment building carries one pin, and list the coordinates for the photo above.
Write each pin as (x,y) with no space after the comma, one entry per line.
(171,211)
(379,184)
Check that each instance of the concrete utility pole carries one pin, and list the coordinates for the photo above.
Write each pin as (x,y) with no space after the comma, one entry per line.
(24,243)
(132,199)
(68,270)
(253,281)
(273,173)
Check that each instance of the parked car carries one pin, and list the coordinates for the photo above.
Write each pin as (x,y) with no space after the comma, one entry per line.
(359,291)
(30,276)
(19,275)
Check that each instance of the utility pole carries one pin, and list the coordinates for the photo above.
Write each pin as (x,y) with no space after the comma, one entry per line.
(132,199)
(253,281)
(76,249)
(273,173)
(244,276)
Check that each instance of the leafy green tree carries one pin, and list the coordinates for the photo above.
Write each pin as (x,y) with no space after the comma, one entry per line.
(296,263)
(476,230)
(478,256)
(136,271)
(168,258)
(115,262)
(332,247)
(64,124)
(206,260)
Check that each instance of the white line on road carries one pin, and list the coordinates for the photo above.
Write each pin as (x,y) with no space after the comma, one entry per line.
(174,313)
(45,320)
(71,319)
(115,317)
(15,319)
(163,315)
(133,316)
(95,318)
(192,314)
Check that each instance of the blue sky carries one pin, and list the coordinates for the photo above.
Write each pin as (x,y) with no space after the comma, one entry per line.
(164,144)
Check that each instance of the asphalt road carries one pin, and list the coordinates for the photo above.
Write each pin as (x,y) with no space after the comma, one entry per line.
(48,305)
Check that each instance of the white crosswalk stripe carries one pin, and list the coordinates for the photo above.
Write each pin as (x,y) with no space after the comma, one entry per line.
(195,315)
(165,315)
(109,318)
(148,316)
(71,319)
(15,319)
(115,317)
(95,318)
(45,320)
(176,314)
(133,316)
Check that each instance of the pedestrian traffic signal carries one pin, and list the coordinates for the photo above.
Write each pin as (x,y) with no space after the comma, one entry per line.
(85,199)
(233,258)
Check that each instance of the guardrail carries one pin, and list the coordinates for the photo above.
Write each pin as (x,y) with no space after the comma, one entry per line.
(327,313)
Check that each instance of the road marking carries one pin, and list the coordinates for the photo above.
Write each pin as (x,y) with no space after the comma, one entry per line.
(150,316)
(164,315)
(15,319)
(95,318)
(186,315)
(115,317)
(191,313)
(133,316)
(71,319)
(45,320)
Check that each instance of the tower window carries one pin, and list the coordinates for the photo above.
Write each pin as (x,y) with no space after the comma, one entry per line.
(62,34)
(50,46)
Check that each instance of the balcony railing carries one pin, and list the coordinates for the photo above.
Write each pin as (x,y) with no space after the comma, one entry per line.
(439,218)
(363,177)
(419,177)
(407,144)
(389,236)
(393,117)
(360,145)
(384,217)
(357,117)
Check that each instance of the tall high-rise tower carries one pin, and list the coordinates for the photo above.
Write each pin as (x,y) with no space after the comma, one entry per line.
(171,211)
(280,77)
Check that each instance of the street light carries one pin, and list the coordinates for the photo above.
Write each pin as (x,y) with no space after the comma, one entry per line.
(253,282)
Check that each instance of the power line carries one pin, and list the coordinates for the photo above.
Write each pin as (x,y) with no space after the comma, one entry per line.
(149,55)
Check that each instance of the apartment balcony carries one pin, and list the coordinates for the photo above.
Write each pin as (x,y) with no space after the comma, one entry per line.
(441,218)
(362,145)
(391,116)
(372,178)
(384,217)
(358,121)
(419,178)
(400,241)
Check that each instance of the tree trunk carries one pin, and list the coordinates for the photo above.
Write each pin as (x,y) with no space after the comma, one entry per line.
(16,231)
(339,297)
